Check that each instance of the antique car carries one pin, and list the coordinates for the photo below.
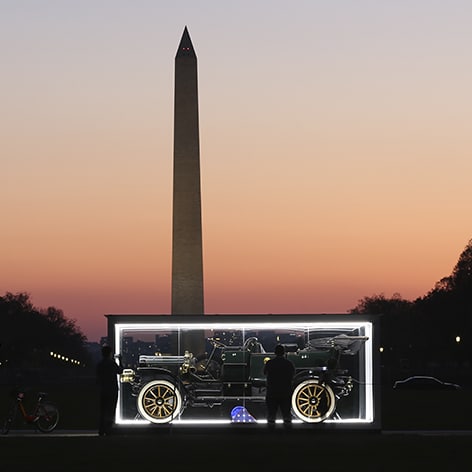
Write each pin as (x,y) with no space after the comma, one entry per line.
(164,386)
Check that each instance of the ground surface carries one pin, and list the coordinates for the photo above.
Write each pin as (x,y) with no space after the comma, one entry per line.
(236,449)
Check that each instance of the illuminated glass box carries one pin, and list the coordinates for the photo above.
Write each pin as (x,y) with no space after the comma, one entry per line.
(209,369)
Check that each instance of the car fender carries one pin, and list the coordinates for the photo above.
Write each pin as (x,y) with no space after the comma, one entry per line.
(147,374)
(305,375)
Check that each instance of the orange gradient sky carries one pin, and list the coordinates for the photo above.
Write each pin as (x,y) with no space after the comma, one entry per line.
(335,151)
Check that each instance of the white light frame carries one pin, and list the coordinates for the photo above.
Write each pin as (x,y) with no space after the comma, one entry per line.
(367,326)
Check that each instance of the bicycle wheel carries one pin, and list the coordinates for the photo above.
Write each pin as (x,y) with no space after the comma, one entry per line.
(48,417)
(9,419)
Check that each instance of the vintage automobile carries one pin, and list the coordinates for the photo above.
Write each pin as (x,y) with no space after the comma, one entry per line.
(164,385)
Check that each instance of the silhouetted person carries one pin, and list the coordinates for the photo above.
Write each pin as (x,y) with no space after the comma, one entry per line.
(107,371)
(279,372)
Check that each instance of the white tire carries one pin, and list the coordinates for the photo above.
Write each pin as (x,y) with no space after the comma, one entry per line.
(160,401)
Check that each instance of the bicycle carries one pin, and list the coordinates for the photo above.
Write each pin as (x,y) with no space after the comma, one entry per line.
(45,415)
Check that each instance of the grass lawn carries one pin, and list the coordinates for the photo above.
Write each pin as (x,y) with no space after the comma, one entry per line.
(200,451)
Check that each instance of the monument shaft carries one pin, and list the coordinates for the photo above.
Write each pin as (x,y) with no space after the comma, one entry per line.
(187,257)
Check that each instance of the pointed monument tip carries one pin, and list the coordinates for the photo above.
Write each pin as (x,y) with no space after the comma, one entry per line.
(185,46)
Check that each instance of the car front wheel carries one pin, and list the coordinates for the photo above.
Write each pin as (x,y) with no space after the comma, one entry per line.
(160,401)
(312,401)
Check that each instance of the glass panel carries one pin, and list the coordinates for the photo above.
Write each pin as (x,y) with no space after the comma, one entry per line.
(214,372)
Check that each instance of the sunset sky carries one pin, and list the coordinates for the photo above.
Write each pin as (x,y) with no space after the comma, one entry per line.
(335,144)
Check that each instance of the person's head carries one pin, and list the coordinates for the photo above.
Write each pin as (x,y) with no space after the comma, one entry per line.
(106,351)
(279,350)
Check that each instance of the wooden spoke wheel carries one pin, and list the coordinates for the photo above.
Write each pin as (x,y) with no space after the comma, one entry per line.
(312,401)
(160,401)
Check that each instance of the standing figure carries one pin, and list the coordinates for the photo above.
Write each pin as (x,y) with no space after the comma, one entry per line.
(107,371)
(279,372)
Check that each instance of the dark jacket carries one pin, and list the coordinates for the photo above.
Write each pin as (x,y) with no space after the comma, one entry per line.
(279,372)
(107,370)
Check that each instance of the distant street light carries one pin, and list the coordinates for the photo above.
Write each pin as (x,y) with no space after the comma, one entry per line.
(458,339)
(64,358)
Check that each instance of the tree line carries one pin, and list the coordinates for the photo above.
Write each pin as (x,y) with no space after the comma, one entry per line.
(30,336)
(432,332)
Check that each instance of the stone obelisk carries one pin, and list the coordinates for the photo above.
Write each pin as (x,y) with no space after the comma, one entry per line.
(187,257)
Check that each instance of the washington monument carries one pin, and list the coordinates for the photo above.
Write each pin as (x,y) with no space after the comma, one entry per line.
(187,258)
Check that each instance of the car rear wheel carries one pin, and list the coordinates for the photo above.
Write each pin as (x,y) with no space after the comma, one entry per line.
(160,401)
(312,401)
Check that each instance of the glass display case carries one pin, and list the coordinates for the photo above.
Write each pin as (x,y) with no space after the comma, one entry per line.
(209,369)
